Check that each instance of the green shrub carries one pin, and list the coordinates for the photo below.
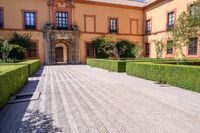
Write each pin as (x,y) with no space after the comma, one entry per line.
(111,65)
(23,41)
(184,76)
(12,78)
(195,62)
(33,65)
(125,48)
(96,44)
(186,62)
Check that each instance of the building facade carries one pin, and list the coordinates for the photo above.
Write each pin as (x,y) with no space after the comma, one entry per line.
(160,16)
(62,29)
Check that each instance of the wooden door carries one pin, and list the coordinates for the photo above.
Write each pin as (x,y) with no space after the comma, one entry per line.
(59,54)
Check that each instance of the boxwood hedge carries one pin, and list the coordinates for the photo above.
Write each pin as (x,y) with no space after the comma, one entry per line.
(184,76)
(33,65)
(111,65)
(12,78)
(187,62)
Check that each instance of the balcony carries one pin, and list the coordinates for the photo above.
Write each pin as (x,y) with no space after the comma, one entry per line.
(64,27)
(30,27)
(68,27)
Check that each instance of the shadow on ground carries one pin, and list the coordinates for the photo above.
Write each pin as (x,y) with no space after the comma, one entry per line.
(35,121)
(18,118)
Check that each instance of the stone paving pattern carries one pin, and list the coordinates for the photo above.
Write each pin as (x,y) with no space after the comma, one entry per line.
(82,99)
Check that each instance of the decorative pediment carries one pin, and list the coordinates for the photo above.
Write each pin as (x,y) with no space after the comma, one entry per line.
(61,3)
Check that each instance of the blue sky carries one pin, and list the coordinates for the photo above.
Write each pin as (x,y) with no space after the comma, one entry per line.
(140,0)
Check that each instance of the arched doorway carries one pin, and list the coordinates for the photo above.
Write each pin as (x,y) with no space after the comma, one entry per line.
(61,53)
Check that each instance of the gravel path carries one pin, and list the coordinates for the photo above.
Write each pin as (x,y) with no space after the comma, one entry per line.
(79,98)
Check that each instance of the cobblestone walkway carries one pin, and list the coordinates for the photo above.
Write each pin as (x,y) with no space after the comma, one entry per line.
(81,99)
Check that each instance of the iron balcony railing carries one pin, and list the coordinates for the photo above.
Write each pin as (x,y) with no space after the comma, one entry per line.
(64,27)
(69,27)
(31,27)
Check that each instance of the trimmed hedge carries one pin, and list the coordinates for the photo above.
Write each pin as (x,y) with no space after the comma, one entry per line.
(12,78)
(187,62)
(195,62)
(111,65)
(33,65)
(183,76)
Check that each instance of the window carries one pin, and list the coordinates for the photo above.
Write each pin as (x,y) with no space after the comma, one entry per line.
(148,26)
(169,47)
(170,20)
(62,20)
(29,20)
(1,18)
(32,50)
(193,10)
(113,24)
(192,48)
(147,49)
(90,51)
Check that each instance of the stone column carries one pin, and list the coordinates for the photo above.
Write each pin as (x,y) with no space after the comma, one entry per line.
(70,50)
(46,47)
(77,47)
(53,52)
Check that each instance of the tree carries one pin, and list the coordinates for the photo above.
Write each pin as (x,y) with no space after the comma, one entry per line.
(159,45)
(187,27)
(136,51)
(20,41)
(24,40)
(96,44)
(5,49)
(110,46)
(125,48)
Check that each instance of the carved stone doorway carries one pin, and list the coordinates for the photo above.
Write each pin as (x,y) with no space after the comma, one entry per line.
(62,53)
(68,40)
(59,54)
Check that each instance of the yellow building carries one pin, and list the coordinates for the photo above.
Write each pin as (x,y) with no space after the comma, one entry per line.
(62,29)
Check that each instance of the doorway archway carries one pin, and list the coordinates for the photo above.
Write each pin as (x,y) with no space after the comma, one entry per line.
(61,53)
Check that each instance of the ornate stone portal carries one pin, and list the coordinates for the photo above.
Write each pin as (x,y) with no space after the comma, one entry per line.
(68,38)
(60,40)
